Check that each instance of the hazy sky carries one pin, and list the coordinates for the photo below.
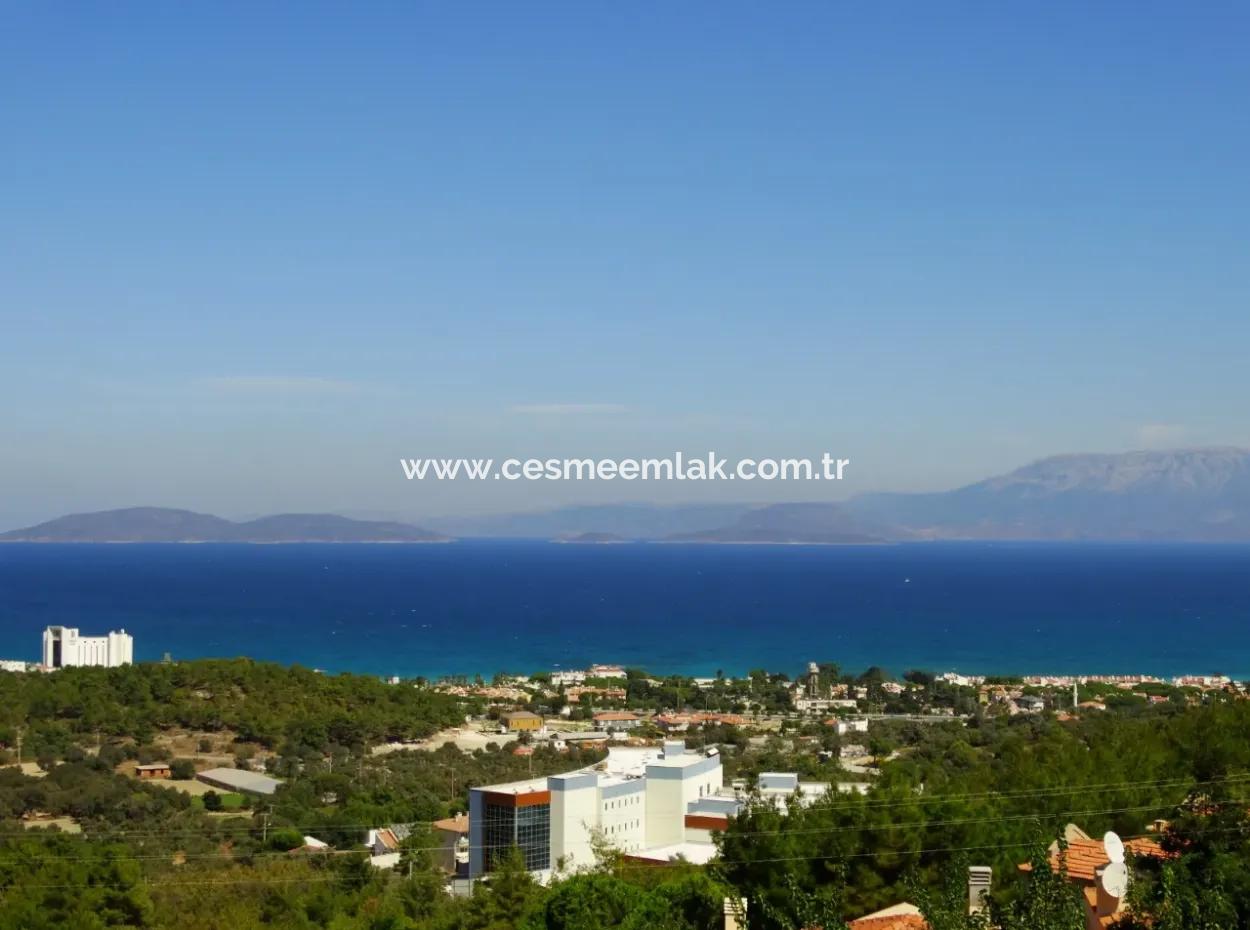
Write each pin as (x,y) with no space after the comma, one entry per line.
(252,254)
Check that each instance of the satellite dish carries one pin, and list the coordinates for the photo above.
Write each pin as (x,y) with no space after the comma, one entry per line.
(1114,846)
(1115,879)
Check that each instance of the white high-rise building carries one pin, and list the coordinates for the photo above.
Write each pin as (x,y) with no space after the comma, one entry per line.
(63,648)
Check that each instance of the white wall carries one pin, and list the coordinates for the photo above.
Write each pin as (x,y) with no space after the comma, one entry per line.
(574,818)
(623,818)
(670,788)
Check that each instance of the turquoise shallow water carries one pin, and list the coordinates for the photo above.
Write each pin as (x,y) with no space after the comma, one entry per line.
(487,606)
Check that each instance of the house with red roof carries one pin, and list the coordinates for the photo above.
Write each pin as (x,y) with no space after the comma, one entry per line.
(1084,860)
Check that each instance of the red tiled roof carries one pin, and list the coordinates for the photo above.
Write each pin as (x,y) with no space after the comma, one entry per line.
(457,824)
(1084,857)
(890,922)
(901,916)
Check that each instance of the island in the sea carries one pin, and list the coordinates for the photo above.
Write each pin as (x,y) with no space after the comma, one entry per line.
(165,525)
(593,539)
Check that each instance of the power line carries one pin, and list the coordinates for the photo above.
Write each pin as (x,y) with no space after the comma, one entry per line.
(885,803)
(872,828)
(629,866)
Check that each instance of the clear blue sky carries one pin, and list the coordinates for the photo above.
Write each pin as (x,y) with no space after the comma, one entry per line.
(251,254)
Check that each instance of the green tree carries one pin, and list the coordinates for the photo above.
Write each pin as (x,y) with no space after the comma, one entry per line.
(502,902)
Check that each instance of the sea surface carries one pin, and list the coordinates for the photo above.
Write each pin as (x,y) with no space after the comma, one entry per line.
(490,606)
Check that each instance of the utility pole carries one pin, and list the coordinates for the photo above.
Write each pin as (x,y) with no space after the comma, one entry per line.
(19,747)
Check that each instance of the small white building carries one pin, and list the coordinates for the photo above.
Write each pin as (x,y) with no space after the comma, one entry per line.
(63,647)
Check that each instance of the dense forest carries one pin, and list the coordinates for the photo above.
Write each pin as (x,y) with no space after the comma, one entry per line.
(271,705)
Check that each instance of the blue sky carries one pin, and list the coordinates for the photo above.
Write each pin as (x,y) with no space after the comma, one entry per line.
(251,254)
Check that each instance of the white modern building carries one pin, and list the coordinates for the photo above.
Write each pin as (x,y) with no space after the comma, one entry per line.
(63,647)
(635,801)
(652,805)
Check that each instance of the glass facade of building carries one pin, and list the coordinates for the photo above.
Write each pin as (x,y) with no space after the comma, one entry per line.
(528,828)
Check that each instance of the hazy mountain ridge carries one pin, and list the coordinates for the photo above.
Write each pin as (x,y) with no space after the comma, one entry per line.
(160,524)
(1194,495)
(1185,494)
(824,524)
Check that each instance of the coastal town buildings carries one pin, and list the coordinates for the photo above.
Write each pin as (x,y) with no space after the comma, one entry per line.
(578,676)
(809,705)
(575,694)
(616,721)
(562,740)
(64,647)
(961,681)
(681,722)
(848,725)
(605,671)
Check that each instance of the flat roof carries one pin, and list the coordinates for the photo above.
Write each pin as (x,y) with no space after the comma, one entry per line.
(240,780)
(516,787)
(696,853)
(629,760)
(684,760)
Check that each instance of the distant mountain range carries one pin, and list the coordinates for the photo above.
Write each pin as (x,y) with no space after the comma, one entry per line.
(159,524)
(1186,494)
(828,524)
(1183,495)
(1197,495)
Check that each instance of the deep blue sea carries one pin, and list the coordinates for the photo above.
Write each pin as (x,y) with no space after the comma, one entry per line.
(489,606)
